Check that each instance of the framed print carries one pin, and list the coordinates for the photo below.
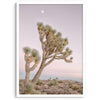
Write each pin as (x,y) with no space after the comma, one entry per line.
(49,50)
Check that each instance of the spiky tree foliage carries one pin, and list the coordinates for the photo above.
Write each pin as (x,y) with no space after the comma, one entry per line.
(53,46)
(30,56)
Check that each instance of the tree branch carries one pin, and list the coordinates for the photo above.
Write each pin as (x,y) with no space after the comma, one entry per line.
(68,60)
(49,61)
(49,57)
(43,43)
(59,57)
(33,67)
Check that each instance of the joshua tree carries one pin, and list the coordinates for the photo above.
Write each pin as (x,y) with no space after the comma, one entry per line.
(30,56)
(53,46)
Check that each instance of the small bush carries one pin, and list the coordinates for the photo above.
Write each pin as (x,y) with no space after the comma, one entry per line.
(49,79)
(39,83)
(51,84)
(75,87)
(36,92)
(54,82)
(56,78)
(70,85)
(20,84)
(29,88)
(60,81)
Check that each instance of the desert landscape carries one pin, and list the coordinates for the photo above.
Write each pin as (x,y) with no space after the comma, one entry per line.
(47,54)
(53,86)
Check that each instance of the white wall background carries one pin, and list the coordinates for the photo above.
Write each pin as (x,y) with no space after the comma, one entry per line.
(7,51)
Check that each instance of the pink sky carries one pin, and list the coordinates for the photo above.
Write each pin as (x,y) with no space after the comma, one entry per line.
(65,18)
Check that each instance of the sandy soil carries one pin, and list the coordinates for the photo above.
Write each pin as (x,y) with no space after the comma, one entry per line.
(54,86)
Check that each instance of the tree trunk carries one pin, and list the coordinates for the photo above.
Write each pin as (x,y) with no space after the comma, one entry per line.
(26,81)
(27,75)
(36,77)
(27,78)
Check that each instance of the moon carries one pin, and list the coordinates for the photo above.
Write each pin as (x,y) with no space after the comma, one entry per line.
(42,11)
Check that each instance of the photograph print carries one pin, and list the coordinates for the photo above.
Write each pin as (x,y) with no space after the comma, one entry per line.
(50,49)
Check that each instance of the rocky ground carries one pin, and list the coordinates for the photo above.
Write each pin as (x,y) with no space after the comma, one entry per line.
(54,86)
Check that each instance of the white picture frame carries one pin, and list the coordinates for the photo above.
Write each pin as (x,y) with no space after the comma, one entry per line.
(17,46)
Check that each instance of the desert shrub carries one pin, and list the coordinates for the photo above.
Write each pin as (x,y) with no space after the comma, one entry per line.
(50,84)
(29,88)
(75,87)
(80,91)
(49,79)
(39,83)
(60,81)
(56,78)
(70,85)
(20,84)
(54,82)
(36,92)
